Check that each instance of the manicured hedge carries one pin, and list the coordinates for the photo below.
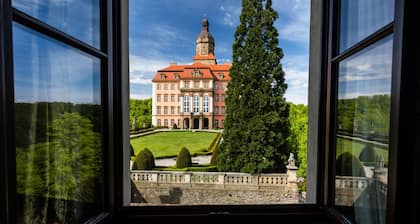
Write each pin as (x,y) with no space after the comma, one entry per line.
(144,160)
(349,165)
(183,159)
(367,154)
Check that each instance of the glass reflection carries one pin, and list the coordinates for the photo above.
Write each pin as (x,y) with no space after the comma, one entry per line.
(79,18)
(58,130)
(360,18)
(363,114)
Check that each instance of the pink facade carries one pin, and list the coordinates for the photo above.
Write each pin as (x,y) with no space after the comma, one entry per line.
(192,96)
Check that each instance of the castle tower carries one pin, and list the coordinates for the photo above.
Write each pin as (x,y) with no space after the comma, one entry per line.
(204,51)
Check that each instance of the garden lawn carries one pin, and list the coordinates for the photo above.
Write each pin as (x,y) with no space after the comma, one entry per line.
(168,144)
(354,147)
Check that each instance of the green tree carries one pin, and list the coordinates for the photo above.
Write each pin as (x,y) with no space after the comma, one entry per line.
(140,114)
(256,124)
(298,139)
(68,166)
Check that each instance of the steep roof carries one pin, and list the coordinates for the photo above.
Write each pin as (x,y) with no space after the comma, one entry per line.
(173,73)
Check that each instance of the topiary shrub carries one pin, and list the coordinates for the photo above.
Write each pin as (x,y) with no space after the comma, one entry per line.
(213,160)
(367,154)
(183,159)
(144,160)
(174,126)
(349,165)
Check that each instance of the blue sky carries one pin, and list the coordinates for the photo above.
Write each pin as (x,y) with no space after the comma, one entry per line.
(164,31)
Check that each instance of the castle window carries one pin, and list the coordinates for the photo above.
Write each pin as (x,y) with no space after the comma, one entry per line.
(162,76)
(176,76)
(196,104)
(221,76)
(206,103)
(196,73)
(186,103)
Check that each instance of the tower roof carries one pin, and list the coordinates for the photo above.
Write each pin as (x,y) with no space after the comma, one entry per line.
(205,33)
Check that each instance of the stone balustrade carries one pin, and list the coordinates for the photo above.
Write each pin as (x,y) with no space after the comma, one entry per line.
(171,177)
(352,182)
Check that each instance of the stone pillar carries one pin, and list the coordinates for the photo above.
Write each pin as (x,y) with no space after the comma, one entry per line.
(291,170)
(210,122)
(292,178)
(380,173)
(210,103)
(221,179)
(187,178)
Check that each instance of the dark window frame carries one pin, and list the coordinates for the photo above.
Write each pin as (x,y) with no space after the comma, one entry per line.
(105,54)
(405,61)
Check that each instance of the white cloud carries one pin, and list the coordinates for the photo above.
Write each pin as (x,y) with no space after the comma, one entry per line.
(230,15)
(294,20)
(297,85)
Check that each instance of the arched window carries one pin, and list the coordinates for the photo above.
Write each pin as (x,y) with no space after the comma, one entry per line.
(196,104)
(186,103)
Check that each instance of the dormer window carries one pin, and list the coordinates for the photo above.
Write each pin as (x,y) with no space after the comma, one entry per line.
(196,73)
(162,76)
(221,76)
(176,76)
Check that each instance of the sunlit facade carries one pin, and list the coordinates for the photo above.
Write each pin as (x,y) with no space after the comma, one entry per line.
(192,96)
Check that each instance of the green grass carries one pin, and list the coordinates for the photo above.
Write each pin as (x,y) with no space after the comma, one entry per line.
(168,144)
(354,147)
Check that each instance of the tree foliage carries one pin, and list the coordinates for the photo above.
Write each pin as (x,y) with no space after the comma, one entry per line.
(68,166)
(298,139)
(140,114)
(183,159)
(365,116)
(256,124)
(144,160)
(32,119)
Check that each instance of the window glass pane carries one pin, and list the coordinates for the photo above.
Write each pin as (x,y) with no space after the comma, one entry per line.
(79,18)
(58,130)
(360,18)
(363,111)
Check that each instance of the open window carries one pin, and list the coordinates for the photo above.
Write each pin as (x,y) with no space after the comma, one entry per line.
(65,150)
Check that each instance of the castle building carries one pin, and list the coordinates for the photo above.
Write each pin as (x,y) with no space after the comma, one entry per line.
(192,96)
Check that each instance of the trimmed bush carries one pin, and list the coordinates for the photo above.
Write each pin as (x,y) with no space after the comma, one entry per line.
(213,160)
(215,142)
(144,160)
(367,154)
(349,165)
(174,126)
(183,159)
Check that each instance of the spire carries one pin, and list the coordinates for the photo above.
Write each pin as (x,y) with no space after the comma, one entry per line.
(204,52)
(205,25)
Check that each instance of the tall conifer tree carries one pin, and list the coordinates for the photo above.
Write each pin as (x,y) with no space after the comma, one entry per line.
(256,125)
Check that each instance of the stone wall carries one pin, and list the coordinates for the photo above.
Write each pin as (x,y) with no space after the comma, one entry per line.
(193,188)
(172,194)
